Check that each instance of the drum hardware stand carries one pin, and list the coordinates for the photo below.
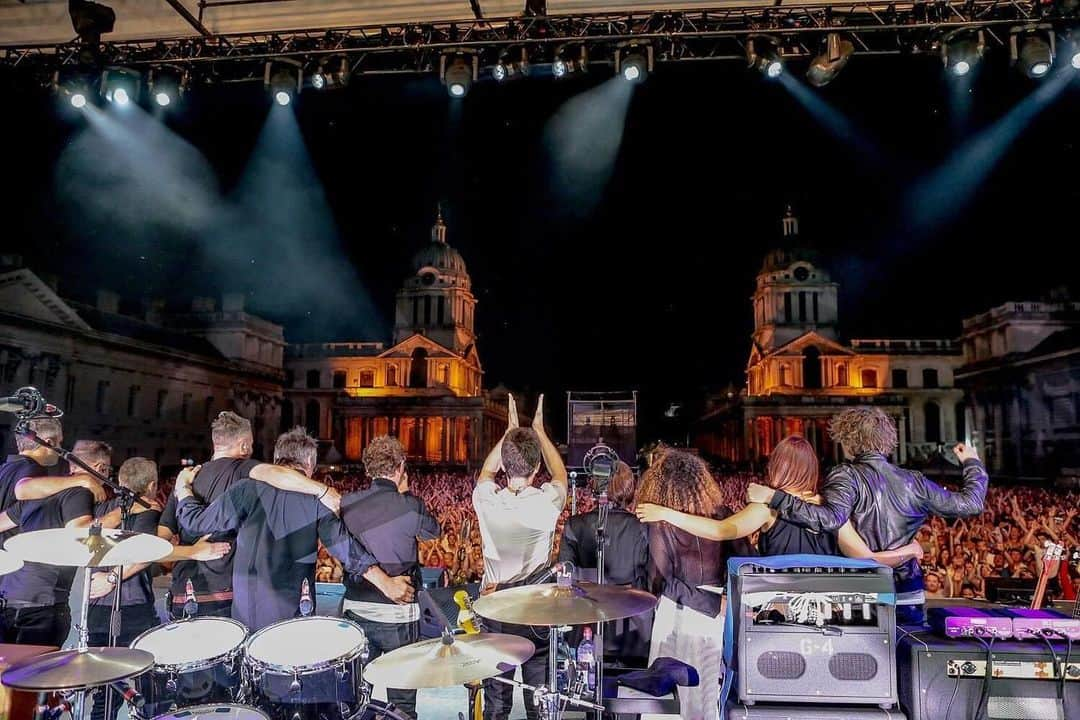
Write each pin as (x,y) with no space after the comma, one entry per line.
(603,508)
(38,408)
(548,701)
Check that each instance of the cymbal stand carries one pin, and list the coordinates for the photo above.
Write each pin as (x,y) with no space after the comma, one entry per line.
(548,701)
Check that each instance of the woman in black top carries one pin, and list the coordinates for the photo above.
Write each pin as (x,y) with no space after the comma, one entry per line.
(793,467)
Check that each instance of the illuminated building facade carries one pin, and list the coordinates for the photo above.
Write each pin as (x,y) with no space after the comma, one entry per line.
(800,372)
(425,388)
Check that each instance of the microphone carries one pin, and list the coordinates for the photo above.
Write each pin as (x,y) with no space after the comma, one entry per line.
(29,401)
(306,606)
(131,695)
(191,605)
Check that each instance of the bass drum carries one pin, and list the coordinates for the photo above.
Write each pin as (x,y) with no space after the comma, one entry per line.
(307,667)
(196,661)
(216,712)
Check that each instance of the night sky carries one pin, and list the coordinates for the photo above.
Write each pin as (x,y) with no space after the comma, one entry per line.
(641,283)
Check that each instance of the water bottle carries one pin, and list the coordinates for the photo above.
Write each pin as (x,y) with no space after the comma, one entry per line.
(586,657)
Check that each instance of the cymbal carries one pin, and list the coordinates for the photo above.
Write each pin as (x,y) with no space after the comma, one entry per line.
(9,563)
(435,663)
(75,670)
(549,604)
(73,547)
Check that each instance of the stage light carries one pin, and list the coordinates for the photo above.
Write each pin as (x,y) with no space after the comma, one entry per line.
(962,52)
(330,74)
(1075,62)
(75,88)
(558,68)
(318,80)
(120,85)
(825,67)
(763,53)
(569,60)
(282,78)
(78,100)
(458,72)
(634,62)
(90,20)
(1032,51)
(508,68)
(167,84)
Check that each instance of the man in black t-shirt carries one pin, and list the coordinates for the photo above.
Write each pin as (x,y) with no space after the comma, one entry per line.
(231,463)
(36,596)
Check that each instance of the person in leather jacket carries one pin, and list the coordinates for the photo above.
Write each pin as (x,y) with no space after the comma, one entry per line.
(886,504)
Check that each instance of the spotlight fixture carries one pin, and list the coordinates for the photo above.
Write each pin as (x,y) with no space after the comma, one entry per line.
(330,74)
(507,68)
(167,85)
(78,99)
(962,52)
(91,20)
(825,67)
(282,78)
(569,60)
(763,53)
(1072,44)
(74,88)
(458,72)
(120,86)
(1032,50)
(634,62)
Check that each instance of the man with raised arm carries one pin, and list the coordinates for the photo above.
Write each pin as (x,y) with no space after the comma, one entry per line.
(517,525)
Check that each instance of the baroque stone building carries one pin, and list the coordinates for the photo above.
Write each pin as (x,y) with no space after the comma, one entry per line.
(148,384)
(801,372)
(424,387)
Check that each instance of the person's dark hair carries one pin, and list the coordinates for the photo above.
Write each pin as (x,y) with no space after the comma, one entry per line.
(296,448)
(46,428)
(681,481)
(383,457)
(793,466)
(622,486)
(228,429)
(521,454)
(864,430)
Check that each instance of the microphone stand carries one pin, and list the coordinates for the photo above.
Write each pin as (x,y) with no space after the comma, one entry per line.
(603,508)
(127,499)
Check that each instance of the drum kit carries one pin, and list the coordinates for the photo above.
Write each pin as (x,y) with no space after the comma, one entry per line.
(303,668)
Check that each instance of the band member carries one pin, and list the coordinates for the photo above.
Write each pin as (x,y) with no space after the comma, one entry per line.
(886,504)
(517,524)
(626,561)
(212,580)
(793,468)
(388,520)
(137,612)
(277,537)
(36,596)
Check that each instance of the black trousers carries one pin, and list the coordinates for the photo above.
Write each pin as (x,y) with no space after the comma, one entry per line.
(134,621)
(382,638)
(47,625)
(499,697)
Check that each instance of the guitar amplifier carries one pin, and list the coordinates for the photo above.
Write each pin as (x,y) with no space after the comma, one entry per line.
(945,679)
(815,635)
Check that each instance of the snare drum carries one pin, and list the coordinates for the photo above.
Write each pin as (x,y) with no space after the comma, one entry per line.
(196,662)
(312,661)
(216,712)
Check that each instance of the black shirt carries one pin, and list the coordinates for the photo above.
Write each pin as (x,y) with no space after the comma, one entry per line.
(626,558)
(12,471)
(277,544)
(137,589)
(785,538)
(214,479)
(680,562)
(388,524)
(39,584)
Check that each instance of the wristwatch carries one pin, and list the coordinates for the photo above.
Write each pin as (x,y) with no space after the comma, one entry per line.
(112,577)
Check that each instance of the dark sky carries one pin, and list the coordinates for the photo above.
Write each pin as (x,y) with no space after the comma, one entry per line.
(644,286)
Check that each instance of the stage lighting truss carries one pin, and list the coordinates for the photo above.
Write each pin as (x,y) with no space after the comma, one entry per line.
(1032,50)
(763,54)
(458,71)
(961,51)
(283,79)
(634,61)
(120,85)
(824,68)
(574,40)
(167,84)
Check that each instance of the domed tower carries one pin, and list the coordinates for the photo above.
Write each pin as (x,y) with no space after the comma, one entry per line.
(437,299)
(794,293)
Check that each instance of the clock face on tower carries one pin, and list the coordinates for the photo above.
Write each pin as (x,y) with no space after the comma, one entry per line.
(801,274)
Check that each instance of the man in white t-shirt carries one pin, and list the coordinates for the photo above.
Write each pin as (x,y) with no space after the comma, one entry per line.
(517,525)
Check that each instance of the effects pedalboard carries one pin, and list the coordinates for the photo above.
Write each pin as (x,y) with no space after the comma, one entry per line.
(1003,623)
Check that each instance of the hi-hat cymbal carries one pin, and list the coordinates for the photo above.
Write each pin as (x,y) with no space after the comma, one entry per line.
(437,663)
(75,670)
(576,604)
(73,547)
(9,563)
